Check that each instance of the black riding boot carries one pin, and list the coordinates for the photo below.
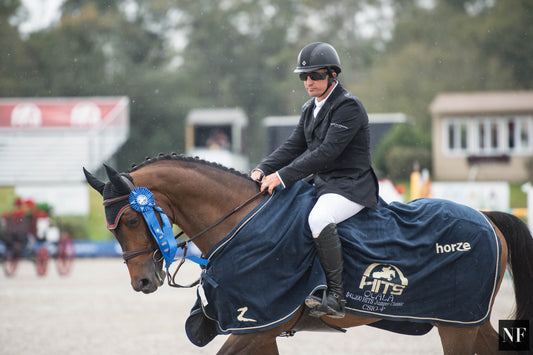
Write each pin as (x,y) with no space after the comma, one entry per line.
(330,257)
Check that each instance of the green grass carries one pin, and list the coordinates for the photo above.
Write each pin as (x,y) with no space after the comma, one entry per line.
(7,196)
(518,199)
(95,221)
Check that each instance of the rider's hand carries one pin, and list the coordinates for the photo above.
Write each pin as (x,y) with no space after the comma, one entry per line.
(257,175)
(270,182)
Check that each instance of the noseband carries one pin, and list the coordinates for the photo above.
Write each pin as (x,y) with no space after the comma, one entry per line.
(127,255)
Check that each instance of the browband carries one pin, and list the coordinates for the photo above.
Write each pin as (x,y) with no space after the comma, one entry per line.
(129,184)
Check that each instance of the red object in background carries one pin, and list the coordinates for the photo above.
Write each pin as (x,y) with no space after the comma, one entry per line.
(400,188)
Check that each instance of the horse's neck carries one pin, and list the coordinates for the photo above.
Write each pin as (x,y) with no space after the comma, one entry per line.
(199,197)
(206,201)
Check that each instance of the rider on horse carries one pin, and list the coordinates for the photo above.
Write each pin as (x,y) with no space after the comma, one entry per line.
(331,143)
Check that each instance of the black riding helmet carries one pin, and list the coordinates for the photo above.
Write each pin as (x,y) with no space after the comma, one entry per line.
(318,55)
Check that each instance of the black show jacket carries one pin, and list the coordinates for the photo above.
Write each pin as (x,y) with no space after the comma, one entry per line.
(333,147)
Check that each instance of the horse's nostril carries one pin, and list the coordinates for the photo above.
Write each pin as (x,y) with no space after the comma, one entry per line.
(144,284)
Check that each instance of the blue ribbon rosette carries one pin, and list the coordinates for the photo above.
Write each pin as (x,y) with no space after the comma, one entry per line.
(142,200)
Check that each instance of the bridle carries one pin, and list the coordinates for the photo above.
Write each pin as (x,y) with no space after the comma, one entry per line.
(128,255)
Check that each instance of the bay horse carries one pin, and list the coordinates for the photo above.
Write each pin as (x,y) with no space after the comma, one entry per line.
(195,194)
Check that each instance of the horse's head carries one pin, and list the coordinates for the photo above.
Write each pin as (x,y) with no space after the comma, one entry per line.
(140,251)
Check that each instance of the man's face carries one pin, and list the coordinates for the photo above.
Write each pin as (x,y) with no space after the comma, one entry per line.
(315,88)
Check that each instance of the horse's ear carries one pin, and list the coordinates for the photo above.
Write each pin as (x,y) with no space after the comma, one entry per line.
(113,175)
(120,182)
(95,183)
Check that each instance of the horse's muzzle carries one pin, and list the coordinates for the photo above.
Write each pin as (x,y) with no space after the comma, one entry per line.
(149,284)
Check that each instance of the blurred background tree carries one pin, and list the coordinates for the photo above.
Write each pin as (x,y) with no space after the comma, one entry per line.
(170,56)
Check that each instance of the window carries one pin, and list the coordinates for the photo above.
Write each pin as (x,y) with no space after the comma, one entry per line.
(520,134)
(457,131)
(511,133)
(481,136)
(487,136)
(212,136)
(524,134)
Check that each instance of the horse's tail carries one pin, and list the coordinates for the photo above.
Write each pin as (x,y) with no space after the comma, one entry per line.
(520,259)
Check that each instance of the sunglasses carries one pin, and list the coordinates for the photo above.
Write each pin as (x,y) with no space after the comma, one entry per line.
(314,75)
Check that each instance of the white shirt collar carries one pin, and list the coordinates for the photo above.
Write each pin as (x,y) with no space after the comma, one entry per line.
(319,104)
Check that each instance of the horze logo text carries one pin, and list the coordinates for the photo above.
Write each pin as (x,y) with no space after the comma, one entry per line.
(450,248)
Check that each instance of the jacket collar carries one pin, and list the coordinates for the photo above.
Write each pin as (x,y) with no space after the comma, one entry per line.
(337,90)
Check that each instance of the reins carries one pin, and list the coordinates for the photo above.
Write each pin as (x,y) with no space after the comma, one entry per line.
(183,245)
(235,210)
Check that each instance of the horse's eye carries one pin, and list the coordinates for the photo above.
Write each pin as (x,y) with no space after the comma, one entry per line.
(133,223)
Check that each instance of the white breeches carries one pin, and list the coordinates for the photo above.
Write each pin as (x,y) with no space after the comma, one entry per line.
(331,208)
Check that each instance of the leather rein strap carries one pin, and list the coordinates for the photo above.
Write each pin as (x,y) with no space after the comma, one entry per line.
(172,279)
(235,210)
(127,255)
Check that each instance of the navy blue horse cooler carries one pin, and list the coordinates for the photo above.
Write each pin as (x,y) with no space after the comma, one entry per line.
(418,262)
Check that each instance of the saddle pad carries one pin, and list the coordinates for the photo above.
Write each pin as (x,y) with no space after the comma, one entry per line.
(425,261)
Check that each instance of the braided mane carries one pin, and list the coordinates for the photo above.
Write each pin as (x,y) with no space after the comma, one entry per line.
(187,159)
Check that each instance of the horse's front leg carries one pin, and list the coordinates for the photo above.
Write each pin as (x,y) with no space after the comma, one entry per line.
(263,343)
